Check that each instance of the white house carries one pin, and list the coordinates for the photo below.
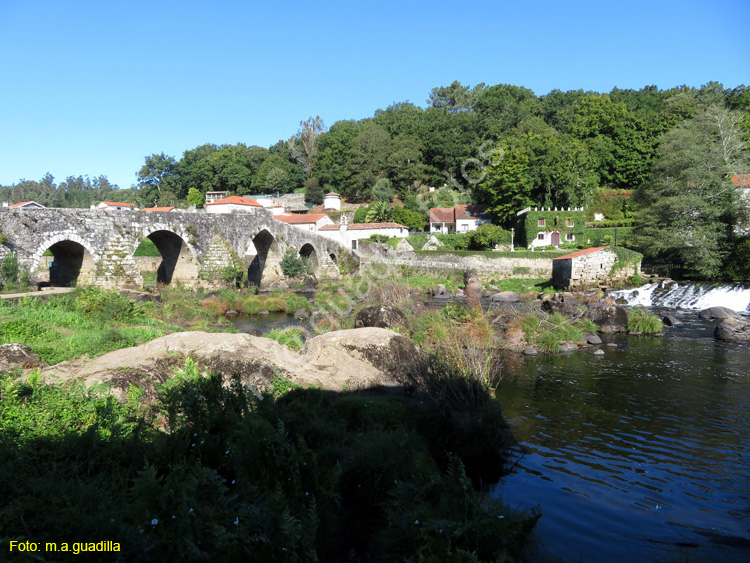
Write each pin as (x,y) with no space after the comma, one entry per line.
(457,219)
(25,205)
(233,204)
(332,200)
(312,222)
(116,205)
(348,234)
(215,196)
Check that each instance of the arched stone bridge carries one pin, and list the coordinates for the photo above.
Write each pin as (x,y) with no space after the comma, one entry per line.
(97,247)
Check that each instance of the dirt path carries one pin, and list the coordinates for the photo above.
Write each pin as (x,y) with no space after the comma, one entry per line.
(50,291)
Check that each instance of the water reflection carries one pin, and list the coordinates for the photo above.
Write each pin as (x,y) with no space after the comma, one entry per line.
(640,454)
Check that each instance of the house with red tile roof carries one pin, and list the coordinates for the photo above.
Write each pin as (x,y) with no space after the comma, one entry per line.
(458,219)
(25,205)
(349,234)
(589,266)
(309,222)
(162,209)
(233,204)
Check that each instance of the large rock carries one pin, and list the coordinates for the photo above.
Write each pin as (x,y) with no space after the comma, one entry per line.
(404,246)
(506,297)
(733,330)
(441,293)
(609,319)
(567,304)
(351,359)
(13,355)
(718,313)
(381,316)
(432,243)
(671,320)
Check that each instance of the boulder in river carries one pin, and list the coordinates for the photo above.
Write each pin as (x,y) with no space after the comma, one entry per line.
(506,297)
(441,293)
(718,313)
(382,316)
(593,339)
(733,330)
(670,320)
(609,319)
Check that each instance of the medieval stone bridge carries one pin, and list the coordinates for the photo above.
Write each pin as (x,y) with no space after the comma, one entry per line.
(98,247)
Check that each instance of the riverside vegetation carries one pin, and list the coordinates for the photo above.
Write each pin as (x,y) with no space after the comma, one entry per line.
(211,470)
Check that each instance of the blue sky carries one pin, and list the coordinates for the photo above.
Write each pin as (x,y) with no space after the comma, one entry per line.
(93,87)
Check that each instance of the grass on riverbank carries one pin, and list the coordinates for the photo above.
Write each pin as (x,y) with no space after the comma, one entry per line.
(299,475)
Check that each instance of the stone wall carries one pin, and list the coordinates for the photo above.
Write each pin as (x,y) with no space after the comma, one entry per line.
(590,269)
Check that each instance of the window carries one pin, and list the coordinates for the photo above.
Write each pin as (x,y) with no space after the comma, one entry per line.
(465,228)
(540,223)
(354,245)
(571,223)
(540,236)
(569,236)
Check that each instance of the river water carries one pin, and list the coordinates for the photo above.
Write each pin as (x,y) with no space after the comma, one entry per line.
(640,455)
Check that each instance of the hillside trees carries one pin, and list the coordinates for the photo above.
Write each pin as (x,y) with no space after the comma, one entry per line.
(689,207)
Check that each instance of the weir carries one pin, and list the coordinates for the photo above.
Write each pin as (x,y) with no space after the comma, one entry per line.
(688,295)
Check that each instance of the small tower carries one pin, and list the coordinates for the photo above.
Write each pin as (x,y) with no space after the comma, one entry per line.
(332,200)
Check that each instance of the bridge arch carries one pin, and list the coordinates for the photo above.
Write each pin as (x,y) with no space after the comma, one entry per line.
(308,251)
(266,255)
(72,261)
(178,260)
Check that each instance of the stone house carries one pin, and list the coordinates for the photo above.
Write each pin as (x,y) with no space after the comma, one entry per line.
(550,227)
(589,266)
(457,219)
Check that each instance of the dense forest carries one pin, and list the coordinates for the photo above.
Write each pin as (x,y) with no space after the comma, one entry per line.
(675,150)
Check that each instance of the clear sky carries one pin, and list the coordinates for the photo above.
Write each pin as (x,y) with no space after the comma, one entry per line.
(92,87)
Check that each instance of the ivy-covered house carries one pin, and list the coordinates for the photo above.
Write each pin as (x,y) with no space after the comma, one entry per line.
(549,226)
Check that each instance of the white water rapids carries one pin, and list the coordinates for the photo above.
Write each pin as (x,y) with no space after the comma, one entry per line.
(688,296)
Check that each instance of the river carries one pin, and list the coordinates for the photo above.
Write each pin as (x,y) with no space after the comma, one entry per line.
(642,454)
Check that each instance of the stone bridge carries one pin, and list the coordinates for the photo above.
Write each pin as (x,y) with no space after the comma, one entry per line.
(98,247)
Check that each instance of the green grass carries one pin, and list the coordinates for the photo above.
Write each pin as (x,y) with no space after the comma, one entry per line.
(302,473)
(642,321)
(520,285)
(147,248)
(290,337)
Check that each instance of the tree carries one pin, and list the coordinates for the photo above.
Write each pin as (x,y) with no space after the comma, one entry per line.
(454,98)
(304,145)
(313,192)
(508,185)
(368,160)
(360,215)
(273,175)
(689,208)
(156,176)
(382,191)
(379,212)
(409,218)
(196,197)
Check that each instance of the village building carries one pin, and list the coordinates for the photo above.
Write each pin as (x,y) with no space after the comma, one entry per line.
(25,205)
(116,205)
(588,267)
(312,222)
(332,200)
(233,204)
(349,234)
(457,219)
(162,209)
(215,196)
(542,227)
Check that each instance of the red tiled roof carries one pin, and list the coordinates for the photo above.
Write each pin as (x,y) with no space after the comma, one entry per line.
(333,193)
(364,226)
(296,219)
(470,212)
(24,203)
(157,208)
(442,215)
(580,253)
(118,203)
(741,179)
(236,200)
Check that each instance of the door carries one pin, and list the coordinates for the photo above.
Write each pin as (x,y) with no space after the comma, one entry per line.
(555,238)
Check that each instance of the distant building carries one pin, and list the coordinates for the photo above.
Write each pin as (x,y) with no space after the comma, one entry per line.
(332,200)
(233,204)
(162,209)
(25,205)
(116,205)
(457,219)
(215,196)
(348,234)
(312,222)
(281,203)
(587,267)
(542,226)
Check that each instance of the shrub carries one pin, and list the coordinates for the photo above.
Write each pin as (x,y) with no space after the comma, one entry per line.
(409,218)
(296,302)
(105,304)
(291,337)
(642,321)
(9,269)
(291,264)
(488,236)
